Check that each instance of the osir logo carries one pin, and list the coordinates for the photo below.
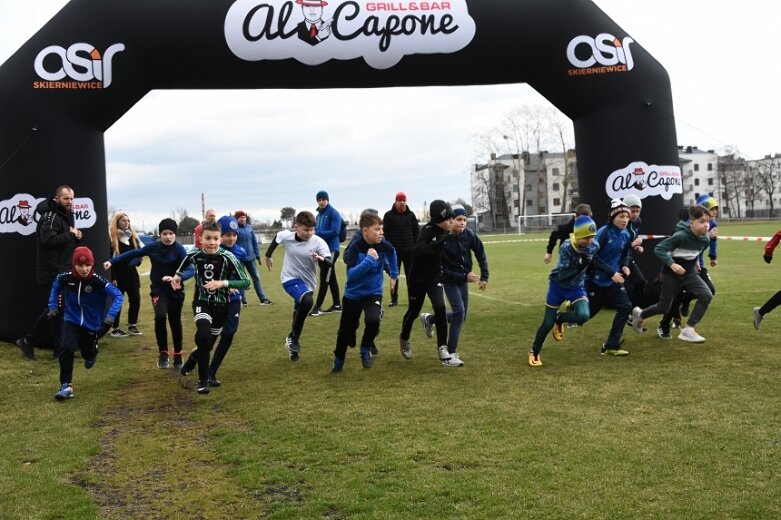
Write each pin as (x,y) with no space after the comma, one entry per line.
(81,62)
(316,31)
(607,51)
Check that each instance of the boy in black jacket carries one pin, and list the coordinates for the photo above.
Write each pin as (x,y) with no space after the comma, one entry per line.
(562,232)
(425,277)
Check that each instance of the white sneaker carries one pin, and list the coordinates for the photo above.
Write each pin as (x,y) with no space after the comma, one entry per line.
(454,361)
(757,318)
(444,355)
(690,335)
(428,326)
(637,322)
(406,348)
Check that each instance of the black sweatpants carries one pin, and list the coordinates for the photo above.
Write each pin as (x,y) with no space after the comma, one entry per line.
(417,294)
(371,307)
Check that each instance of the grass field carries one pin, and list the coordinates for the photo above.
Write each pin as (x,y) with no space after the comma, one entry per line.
(674,430)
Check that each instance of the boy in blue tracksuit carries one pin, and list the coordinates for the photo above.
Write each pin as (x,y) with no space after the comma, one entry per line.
(368,257)
(165,256)
(605,284)
(229,229)
(567,282)
(84,295)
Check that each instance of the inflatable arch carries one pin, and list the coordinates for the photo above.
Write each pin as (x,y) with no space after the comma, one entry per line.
(95,59)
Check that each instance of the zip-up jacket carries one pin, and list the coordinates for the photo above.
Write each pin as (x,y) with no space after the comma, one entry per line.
(459,256)
(427,260)
(366,274)
(241,256)
(328,224)
(402,229)
(84,302)
(165,259)
(55,241)
(560,234)
(682,248)
(249,242)
(613,254)
(570,271)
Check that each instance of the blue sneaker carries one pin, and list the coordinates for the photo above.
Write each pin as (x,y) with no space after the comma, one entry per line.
(338,364)
(66,392)
(366,357)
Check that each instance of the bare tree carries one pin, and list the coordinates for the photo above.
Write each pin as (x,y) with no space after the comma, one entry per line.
(767,174)
(732,179)
(562,132)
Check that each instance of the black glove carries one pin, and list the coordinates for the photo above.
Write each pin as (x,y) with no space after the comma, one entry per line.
(108,322)
(768,258)
(260,262)
(51,314)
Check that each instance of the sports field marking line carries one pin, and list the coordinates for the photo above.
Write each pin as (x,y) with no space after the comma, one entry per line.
(501,300)
(644,237)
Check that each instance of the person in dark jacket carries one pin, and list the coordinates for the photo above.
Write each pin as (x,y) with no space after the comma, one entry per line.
(425,278)
(402,230)
(329,223)
(57,238)
(125,277)
(457,275)
(563,232)
(165,256)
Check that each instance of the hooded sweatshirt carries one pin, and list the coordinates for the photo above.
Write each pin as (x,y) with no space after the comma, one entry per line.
(682,248)
(55,241)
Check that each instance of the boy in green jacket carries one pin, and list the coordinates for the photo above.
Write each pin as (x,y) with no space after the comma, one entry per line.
(679,254)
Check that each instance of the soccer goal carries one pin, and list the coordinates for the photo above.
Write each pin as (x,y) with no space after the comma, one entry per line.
(533,223)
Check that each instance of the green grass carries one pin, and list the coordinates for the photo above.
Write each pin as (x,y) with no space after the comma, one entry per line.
(672,431)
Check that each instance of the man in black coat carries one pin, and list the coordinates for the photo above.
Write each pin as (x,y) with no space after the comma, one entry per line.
(57,238)
(401,229)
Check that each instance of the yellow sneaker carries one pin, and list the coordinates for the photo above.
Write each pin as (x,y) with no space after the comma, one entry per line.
(558,330)
(534,360)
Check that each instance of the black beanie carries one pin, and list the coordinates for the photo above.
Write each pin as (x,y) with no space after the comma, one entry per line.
(440,211)
(167,224)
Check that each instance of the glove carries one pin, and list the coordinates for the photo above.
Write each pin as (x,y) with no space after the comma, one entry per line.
(51,314)
(260,262)
(768,258)
(108,322)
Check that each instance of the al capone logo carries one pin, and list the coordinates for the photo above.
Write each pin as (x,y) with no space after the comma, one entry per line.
(18,215)
(315,31)
(81,62)
(601,55)
(644,180)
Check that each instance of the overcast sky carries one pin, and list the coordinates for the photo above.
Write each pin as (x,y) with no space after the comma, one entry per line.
(721,57)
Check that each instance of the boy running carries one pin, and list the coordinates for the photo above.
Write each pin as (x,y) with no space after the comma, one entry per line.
(303,252)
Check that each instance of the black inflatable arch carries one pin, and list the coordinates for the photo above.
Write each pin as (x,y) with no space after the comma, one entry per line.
(95,59)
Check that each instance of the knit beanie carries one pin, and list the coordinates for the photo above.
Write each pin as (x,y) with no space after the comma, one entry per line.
(584,227)
(322,194)
(240,213)
(633,200)
(167,224)
(81,256)
(228,224)
(616,208)
(439,211)
(459,210)
(401,196)
(708,201)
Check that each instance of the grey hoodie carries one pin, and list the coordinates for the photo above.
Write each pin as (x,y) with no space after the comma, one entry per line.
(683,248)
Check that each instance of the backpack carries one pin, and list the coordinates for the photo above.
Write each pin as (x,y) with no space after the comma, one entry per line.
(343,231)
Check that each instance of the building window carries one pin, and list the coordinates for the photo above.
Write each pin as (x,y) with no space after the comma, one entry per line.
(555,171)
(542,209)
(696,182)
(557,202)
(529,203)
(696,167)
(696,196)
(710,182)
(710,167)
(556,186)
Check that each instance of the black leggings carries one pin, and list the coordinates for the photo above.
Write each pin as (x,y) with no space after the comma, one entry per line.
(170,310)
(371,306)
(771,304)
(417,295)
(328,280)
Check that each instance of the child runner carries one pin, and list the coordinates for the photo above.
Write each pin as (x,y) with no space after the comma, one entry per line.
(303,252)
(679,254)
(566,282)
(125,277)
(229,229)
(366,260)
(426,279)
(709,203)
(217,271)
(563,231)
(84,295)
(165,256)
(457,275)
(636,279)
(775,300)
(606,283)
